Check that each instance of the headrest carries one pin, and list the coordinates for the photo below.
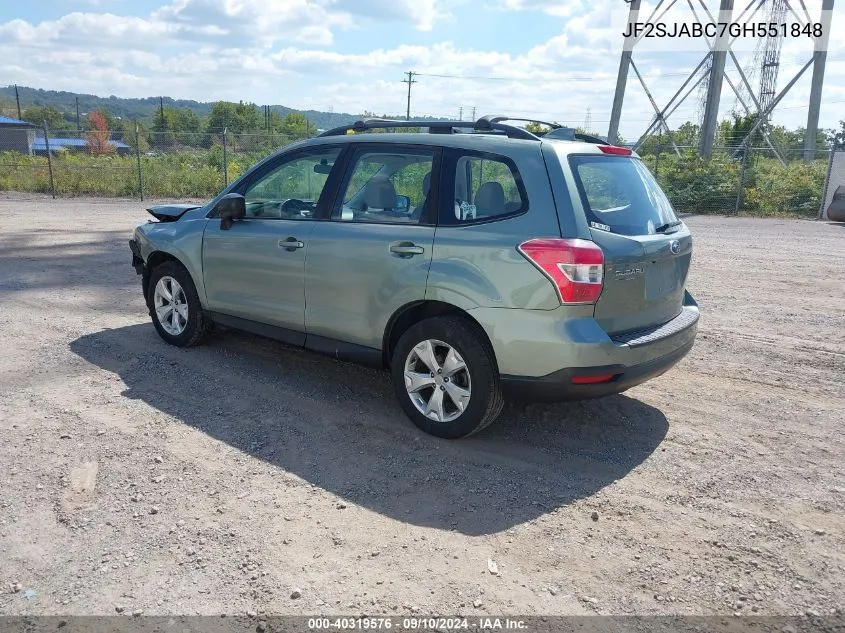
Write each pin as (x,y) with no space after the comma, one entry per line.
(380,193)
(490,198)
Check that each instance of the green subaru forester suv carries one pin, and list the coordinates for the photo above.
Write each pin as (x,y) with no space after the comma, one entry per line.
(474,261)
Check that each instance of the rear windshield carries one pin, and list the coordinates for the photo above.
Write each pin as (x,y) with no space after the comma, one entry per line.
(620,195)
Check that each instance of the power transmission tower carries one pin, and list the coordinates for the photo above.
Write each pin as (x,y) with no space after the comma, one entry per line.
(461,113)
(410,80)
(771,55)
(473,113)
(714,74)
(819,62)
(588,120)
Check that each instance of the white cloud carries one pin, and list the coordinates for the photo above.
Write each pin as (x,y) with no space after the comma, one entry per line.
(284,51)
(421,13)
(556,8)
(260,22)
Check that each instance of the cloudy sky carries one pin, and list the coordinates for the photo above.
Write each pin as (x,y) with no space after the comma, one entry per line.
(541,58)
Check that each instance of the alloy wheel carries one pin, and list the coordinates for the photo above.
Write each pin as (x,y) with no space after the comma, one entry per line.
(171,305)
(437,380)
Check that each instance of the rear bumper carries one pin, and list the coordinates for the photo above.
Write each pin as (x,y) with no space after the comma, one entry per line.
(558,387)
(539,362)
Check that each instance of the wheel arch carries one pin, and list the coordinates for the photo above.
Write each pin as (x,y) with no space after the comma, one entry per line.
(154,260)
(414,312)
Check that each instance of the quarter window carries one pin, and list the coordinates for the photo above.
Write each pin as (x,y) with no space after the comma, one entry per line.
(485,189)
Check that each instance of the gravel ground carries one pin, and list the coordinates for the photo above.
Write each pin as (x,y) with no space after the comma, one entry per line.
(243,476)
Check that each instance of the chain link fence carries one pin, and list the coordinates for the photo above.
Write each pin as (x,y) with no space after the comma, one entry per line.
(167,165)
(749,181)
(757,181)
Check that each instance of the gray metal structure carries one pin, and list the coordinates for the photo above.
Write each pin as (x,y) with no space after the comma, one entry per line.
(770,62)
(714,89)
(819,62)
(712,69)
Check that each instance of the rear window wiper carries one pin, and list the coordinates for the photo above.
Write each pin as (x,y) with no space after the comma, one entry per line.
(664,227)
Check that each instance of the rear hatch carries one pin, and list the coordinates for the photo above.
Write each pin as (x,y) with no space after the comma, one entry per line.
(647,249)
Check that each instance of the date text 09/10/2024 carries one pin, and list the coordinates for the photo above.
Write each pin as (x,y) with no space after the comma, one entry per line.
(417,624)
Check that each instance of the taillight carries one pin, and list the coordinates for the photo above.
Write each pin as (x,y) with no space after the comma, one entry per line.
(618,151)
(576,267)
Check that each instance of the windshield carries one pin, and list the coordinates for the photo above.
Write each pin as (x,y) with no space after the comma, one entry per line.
(620,195)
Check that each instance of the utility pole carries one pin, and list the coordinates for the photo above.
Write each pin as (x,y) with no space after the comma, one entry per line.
(161,110)
(410,80)
(78,125)
(18,101)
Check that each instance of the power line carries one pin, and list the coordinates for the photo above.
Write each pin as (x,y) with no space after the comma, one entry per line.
(533,79)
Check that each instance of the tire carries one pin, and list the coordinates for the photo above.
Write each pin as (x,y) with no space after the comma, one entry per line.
(479,376)
(191,325)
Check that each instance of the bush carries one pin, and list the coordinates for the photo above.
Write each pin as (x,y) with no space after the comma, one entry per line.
(695,185)
(769,188)
(777,190)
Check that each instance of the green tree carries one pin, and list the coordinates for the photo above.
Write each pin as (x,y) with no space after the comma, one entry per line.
(7,108)
(141,141)
(187,121)
(55,119)
(294,124)
(537,129)
(733,132)
(837,137)
(687,135)
(172,126)
(237,118)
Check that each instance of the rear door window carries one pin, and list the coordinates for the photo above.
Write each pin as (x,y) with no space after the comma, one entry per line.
(620,195)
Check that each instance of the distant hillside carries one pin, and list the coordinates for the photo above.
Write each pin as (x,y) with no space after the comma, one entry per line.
(142,109)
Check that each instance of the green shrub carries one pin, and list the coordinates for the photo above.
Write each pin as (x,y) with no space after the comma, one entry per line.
(795,189)
(695,185)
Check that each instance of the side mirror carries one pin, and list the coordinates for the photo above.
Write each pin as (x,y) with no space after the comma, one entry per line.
(402,205)
(231,207)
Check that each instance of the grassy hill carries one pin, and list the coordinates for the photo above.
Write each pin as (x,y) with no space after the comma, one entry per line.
(141,109)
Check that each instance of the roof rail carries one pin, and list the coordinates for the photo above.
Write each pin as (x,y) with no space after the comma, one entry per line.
(490,124)
(498,118)
(362,125)
(483,125)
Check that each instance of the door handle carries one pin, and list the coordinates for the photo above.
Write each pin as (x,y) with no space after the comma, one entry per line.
(291,244)
(406,249)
